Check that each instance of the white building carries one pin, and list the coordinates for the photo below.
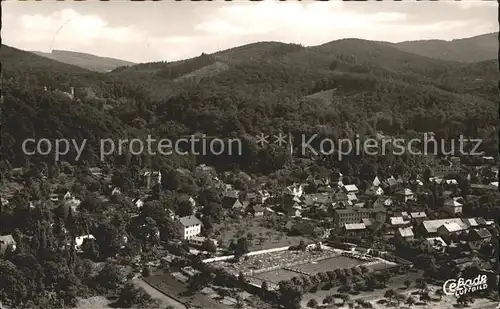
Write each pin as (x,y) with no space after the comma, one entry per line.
(80,239)
(296,190)
(190,226)
(374,191)
(452,207)
(7,241)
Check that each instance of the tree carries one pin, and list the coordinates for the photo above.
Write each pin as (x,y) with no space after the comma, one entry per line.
(109,239)
(199,281)
(90,249)
(421,284)
(241,247)
(214,211)
(425,297)
(290,295)
(131,296)
(390,294)
(184,209)
(440,293)
(110,277)
(410,301)
(312,303)
(264,286)
(146,272)
(11,282)
(328,300)
(209,246)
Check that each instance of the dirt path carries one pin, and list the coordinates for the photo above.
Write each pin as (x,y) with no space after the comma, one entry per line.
(164,299)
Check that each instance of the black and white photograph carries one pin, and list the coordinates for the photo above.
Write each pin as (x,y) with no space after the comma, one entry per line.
(249,154)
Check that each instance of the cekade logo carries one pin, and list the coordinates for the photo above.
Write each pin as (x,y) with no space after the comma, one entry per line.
(462,286)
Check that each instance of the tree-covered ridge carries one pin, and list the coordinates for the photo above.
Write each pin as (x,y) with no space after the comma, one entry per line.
(475,49)
(264,86)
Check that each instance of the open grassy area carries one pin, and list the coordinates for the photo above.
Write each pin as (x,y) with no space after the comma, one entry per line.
(275,276)
(380,266)
(260,236)
(95,302)
(333,263)
(396,283)
(170,286)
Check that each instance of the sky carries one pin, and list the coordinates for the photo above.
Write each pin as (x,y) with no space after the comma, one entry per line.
(169,31)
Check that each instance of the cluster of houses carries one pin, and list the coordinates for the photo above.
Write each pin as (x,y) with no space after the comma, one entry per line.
(454,236)
(344,205)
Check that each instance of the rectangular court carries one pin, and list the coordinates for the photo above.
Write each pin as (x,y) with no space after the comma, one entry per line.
(328,264)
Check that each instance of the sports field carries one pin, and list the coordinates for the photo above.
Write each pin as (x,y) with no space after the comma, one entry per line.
(333,263)
(275,276)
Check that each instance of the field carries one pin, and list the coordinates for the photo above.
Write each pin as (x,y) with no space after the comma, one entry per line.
(276,276)
(95,302)
(164,300)
(169,286)
(337,262)
(261,237)
(396,283)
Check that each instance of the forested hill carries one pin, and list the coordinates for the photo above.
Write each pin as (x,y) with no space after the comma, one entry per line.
(341,87)
(84,60)
(475,49)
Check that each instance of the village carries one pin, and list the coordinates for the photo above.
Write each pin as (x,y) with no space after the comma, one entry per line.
(322,242)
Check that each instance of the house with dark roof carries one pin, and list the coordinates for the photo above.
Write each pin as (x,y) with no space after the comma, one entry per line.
(478,237)
(151,178)
(405,195)
(433,245)
(405,233)
(325,189)
(383,201)
(229,202)
(374,191)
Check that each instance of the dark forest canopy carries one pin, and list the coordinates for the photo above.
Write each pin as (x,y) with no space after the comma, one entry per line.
(337,90)
(260,87)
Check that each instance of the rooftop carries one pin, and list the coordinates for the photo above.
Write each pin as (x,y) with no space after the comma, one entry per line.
(189,221)
(354,226)
(406,231)
(431,226)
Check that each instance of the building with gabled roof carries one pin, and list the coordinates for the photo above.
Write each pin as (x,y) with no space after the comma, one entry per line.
(405,195)
(434,245)
(350,189)
(448,229)
(478,237)
(405,233)
(353,228)
(430,227)
(189,226)
(374,191)
(453,207)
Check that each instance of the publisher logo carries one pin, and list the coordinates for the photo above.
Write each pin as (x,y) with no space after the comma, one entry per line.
(463,286)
